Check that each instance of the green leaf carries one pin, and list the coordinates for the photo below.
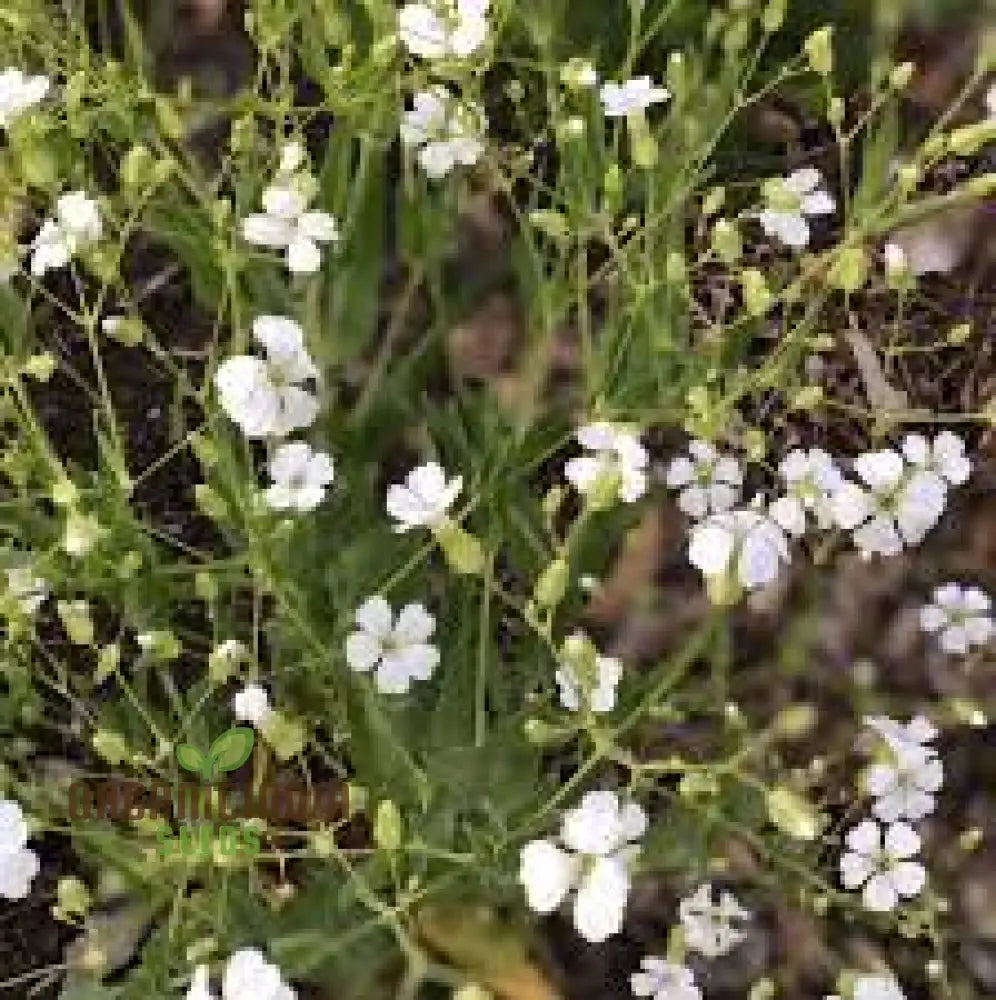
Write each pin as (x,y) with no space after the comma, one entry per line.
(231,750)
(189,757)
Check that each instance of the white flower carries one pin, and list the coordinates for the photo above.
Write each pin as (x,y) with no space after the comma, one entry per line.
(881,863)
(248,976)
(286,222)
(902,502)
(299,476)
(599,692)
(637,94)
(905,789)
(252,704)
(446,132)
(812,479)
(264,395)
(200,987)
(76,224)
(711,928)
(618,458)
(28,591)
(790,201)
(425,498)
(398,648)
(18,864)
(594,860)
(961,617)
(991,101)
(709,482)
(444,28)
(945,457)
(18,93)
(745,543)
(896,261)
(663,980)
(877,988)
(909,738)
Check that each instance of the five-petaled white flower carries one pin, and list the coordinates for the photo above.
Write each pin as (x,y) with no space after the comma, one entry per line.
(18,863)
(286,222)
(598,693)
(902,501)
(712,928)
(444,29)
(424,500)
(618,462)
(812,479)
(264,396)
(663,980)
(26,590)
(398,648)
(300,477)
(18,92)
(75,225)
(709,481)
(252,704)
(744,544)
(961,617)
(631,96)
(248,976)
(597,838)
(905,788)
(880,861)
(791,201)
(445,131)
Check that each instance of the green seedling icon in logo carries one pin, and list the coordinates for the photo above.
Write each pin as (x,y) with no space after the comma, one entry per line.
(228,752)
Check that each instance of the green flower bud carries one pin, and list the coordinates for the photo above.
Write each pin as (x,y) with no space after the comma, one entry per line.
(819,51)
(388,829)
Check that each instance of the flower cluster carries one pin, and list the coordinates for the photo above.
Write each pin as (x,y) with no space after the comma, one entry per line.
(266,397)
(790,202)
(898,498)
(76,224)
(445,29)
(18,863)
(247,974)
(881,858)
(902,495)
(444,131)
(286,222)
(709,927)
